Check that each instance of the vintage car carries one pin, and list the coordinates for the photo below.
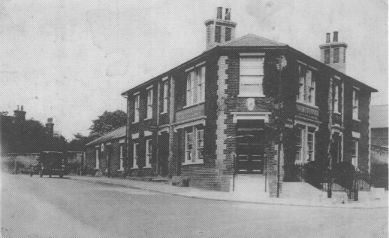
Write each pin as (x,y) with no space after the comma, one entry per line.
(52,163)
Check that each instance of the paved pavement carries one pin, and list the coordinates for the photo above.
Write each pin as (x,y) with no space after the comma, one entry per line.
(225,196)
(52,207)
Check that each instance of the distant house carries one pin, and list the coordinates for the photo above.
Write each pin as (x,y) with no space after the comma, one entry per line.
(105,155)
(379,145)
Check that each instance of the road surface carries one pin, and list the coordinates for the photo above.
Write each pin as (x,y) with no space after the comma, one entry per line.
(53,207)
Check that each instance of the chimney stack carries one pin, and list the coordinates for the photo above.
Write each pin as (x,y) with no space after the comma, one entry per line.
(334,53)
(50,127)
(19,114)
(221,29)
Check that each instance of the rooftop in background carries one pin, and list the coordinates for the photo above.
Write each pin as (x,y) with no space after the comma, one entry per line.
(115,134)
(253,40)
(379,116)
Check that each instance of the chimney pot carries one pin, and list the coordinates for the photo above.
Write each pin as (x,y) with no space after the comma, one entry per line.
(219,13)
(21,109)
(328,37)
(335,39)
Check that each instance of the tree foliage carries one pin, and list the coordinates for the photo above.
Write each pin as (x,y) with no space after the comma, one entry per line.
(107,122)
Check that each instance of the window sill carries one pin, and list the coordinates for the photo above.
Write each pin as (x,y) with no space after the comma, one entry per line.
(163,113)
(191,163)
(120,170)
(134,168)
(134,122)
(356,119)
(307,104)
(148,118)
(251,96)
(147,167)
(338,113)
(193,105)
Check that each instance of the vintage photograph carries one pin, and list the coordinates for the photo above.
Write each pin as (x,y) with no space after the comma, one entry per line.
(171,118)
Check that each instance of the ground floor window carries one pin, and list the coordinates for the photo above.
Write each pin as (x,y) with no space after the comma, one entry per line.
(149,152)
(194,145)
(97,159)
(354,153)
(135,156)
(305,144)
(121,155)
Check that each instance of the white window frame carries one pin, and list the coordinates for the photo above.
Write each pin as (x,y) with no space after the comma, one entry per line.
(355,157)
(307,85)
(355,103)
(165,86)
(97,159)
(121,156)
(195,86)
(192,155)
(135,156)
(149,107)
(336,98)
(305,130)
(246,78)
(148,152)
(136,108)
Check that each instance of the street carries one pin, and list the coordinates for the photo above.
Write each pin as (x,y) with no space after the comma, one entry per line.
(53,207)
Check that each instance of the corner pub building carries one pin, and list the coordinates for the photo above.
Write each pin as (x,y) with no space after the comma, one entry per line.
(215,120)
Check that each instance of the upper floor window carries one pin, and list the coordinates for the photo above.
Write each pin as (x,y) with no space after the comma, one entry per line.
(218,34)
(327,56)
(355,104)
(251,76)
(337,97)
(307,86)
(136,108)
(165,95)
(228,33)
(194,145)
(149,109)
(336,55)
(195,86)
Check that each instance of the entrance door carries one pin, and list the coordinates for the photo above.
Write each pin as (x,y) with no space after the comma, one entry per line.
(250,146)
(163,154)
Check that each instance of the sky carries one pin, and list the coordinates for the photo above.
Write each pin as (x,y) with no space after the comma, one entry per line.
(71,60)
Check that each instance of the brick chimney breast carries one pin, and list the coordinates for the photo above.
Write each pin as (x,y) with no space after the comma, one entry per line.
(334,53)
(221,29)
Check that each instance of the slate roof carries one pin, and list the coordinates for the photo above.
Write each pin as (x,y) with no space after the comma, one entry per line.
(379,116)
(253,40)
(115,134)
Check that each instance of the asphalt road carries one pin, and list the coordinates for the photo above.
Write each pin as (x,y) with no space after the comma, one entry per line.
(53,207)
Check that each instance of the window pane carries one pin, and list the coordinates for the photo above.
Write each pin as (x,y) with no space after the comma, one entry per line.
(251,65)
(251,86)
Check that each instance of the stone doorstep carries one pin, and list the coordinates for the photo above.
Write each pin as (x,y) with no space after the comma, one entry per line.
(149,179)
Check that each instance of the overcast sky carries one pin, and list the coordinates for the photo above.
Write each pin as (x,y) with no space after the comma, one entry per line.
(71,60)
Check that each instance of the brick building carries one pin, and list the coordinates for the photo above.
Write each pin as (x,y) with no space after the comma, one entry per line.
(215,120)
(106,154)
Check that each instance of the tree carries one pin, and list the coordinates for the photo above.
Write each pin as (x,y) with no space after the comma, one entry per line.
(79,142)
(107,122)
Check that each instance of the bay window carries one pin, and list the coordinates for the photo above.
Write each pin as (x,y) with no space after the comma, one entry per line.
(121,156)
(251,76)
